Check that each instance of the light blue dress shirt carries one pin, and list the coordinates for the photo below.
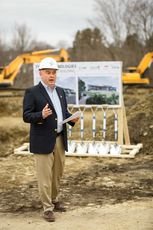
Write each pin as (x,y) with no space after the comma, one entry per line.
(57,105)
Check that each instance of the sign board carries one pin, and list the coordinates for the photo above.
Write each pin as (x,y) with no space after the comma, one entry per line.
(88,83)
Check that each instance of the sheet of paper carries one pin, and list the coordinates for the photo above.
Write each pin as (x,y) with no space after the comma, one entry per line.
(74,115)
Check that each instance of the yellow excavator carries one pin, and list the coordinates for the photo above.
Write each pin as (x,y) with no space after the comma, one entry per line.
(9,73)
(140,74)
(135,75)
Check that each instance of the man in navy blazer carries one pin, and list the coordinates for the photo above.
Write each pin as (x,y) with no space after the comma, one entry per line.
(45,107)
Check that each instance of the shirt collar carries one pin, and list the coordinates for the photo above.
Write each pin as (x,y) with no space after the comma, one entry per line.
(47,87)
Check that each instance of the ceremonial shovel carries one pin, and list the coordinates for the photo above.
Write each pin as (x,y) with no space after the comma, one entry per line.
(103,147)
(115,149)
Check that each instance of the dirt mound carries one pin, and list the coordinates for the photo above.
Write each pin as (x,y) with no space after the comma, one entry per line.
(11,106)
(12,129)
(139,111)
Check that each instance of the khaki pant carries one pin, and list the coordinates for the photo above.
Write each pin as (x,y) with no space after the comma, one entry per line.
(49,169)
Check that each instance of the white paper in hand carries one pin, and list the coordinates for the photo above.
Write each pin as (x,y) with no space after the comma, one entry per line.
(74,115)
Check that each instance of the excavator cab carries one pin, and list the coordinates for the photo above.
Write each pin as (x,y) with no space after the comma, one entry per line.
(139,75)
(131,69)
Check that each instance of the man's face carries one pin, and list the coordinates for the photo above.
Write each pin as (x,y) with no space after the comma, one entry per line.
(48,76)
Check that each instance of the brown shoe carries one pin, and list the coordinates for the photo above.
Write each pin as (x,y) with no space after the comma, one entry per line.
(49,216)
(58,207)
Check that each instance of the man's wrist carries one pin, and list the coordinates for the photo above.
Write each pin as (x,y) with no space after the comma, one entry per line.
(43,116)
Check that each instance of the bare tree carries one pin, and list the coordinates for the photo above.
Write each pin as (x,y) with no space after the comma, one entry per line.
(62,44)
(139,19)
(3,50)
(118,19)
(110,20)
(22,38)
(40,45)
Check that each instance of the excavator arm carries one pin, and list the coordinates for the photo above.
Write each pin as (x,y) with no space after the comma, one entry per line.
(145,63)
(9,73)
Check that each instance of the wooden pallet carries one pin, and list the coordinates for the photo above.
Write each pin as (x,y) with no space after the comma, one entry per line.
(128,151)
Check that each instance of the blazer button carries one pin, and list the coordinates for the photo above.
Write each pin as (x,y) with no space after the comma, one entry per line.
(56,130)
(55,119)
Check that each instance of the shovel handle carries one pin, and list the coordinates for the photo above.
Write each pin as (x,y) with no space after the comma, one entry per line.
(94,125)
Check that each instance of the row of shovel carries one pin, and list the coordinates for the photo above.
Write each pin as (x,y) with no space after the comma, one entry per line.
(102,148)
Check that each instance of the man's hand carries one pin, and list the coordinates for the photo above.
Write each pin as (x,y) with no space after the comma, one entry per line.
(75,120)
(46,111)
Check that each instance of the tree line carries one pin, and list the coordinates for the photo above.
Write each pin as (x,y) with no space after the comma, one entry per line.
(121,30)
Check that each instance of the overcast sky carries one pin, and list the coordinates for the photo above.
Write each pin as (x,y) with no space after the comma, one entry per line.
(48,20)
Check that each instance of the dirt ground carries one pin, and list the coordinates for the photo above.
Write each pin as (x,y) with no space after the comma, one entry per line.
(101,193)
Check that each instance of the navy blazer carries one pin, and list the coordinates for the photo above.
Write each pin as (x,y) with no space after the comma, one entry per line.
(43,132)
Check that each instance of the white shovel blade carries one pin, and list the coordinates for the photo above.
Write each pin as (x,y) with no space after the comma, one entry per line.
(71,147)
(92,149)
(82,148)
(103,149)
(115,150)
